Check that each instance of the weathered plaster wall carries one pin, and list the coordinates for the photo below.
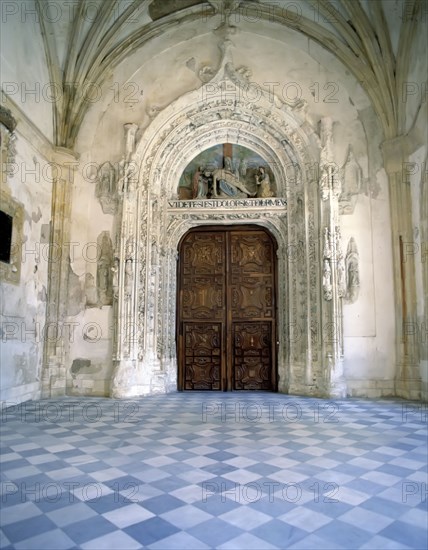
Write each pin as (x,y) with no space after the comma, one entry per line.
(24,70)
(23,305)
(89,352)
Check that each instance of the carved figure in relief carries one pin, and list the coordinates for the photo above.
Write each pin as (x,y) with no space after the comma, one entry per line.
(195,183)
(203,184)
(336,182)
(352,272)
(263,184)
(128,277)
(107,179)
(228,164)
(352,176)
(105,189)
(326,280)
(243,167)
(341,277)
(324,182)
(341,270)
(211,177)
(115,280)
(104,271)
(226,184)
(103,277)
(327,247)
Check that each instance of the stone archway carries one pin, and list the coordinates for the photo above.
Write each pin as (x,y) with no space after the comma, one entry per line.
(154,220)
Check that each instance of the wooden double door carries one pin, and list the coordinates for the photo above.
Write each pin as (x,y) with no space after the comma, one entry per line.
(227,310)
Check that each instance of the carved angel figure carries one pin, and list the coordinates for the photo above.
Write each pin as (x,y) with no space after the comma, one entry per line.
(263,184)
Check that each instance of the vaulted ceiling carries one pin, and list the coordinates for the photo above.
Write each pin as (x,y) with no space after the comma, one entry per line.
(372,39)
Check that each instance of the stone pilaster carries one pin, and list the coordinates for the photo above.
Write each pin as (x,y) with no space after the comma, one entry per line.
(407,377)
(53,373)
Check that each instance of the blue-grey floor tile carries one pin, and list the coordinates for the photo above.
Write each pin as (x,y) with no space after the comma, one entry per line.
(14,464)
(161,504)
(406,534)
(344,534)
(51,502)
(263,469)
(150,531)
(217,504)
(387,507)
(88,529)
(169,484)
(27,528)
(214,532)
(109,502)
(219,468)
(221,455)
(50,466)
(279,533)
(330,509)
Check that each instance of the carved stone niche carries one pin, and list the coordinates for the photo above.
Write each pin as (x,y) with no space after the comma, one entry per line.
(13,213)
(106,189)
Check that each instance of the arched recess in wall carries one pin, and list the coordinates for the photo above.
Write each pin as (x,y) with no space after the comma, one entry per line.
(154,218)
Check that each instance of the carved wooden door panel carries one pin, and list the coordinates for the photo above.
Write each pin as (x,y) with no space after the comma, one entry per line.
(252,323)
(226,310)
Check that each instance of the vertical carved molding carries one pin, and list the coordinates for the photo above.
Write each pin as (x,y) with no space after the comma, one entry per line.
(53,374)
(333,266)
(127,378)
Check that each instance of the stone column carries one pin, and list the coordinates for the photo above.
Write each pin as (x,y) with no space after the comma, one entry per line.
(407,377)
(53,373)
(333,268)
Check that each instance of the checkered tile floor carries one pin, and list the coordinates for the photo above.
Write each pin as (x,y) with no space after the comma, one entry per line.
(214,470)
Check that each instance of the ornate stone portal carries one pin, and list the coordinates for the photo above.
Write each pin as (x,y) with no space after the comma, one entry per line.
(153,220)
